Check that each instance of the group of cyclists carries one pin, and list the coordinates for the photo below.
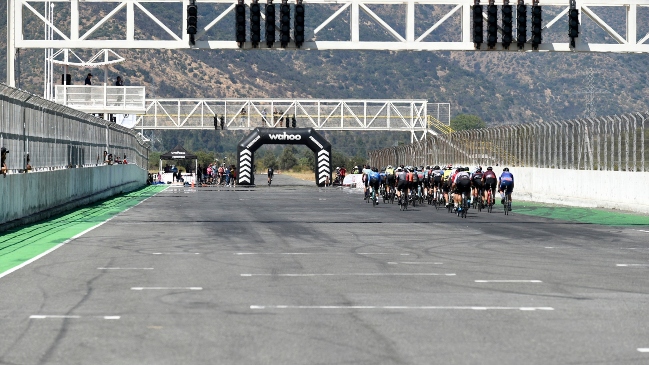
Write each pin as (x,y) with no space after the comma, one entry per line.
(455,187)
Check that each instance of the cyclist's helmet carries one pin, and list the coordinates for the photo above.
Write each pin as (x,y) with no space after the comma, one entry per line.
(389,166)
(375,169)
(399,169)
(436,167)
(490,168)
(427,167)
(466,169)
(479,169)
(506,169)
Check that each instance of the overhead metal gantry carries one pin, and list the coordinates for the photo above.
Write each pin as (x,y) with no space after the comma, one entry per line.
(418,25)
(247,114)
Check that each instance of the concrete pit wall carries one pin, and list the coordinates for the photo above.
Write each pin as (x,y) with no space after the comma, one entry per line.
(583,188)
(26,198)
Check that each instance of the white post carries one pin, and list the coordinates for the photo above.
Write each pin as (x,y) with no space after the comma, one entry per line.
(11,42)
(410,21)
(354,22)
(632,24)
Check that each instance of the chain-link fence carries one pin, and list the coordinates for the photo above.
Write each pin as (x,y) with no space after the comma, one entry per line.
(49,136)
(617,143)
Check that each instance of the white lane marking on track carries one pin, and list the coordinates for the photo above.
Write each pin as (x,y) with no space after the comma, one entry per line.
(629,265)
(382,253)
(175,253)
(49,316)
(124,268)
(167,288)
(69,240)
(642,230)
(353,274)
(415,263)
(273,253)
(313,253)
(641,349)
(508,281)
(396,307)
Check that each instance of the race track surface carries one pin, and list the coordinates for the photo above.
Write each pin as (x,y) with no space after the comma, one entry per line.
(295,274)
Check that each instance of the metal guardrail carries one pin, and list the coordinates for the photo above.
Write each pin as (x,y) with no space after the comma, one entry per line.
(611,143)
(54,136)
(102,99)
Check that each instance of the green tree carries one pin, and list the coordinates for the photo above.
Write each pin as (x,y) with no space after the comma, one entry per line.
(339,159)
(154,161)
(205,158)
(464,122)
(287,160)
(269,160)
(308,160)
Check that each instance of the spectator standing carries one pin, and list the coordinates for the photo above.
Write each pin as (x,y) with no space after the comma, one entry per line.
(263,117)
(242,115)
(233,175)
(88,79)
(209,170)
(119,81)
(226,172)
(221,172)
(3,163)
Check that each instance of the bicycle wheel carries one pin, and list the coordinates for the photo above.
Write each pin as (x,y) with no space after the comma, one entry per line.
(505,207)
(374,200)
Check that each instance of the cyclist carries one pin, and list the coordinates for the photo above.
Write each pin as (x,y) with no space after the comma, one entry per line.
(270,174)
(461,185)
(421,182)
(446,183)
(374,181)
(489,178)
(436,179)
(384,179)
(366,172)
(389,179)
(506,185)
(476,182)
(410,176)
(402,183)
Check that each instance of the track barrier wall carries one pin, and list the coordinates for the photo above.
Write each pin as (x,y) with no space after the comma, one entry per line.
(55,160)
(27,198)
(622,190)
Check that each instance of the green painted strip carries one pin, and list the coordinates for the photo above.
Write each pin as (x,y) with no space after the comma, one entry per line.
(22,244)
(581,215)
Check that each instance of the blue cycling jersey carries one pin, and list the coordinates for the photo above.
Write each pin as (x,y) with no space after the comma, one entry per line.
(375,176)
(506,178)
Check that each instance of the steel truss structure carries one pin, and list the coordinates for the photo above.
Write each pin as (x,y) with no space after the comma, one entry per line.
(456,22)
(247,114)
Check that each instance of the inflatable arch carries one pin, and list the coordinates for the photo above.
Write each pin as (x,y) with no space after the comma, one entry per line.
(305,136)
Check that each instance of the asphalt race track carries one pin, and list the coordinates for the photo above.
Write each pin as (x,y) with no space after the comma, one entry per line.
(295,274)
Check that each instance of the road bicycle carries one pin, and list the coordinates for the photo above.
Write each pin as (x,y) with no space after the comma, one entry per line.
(490,201)
(403,200)
(375,200)
(464,207)
(508,204)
